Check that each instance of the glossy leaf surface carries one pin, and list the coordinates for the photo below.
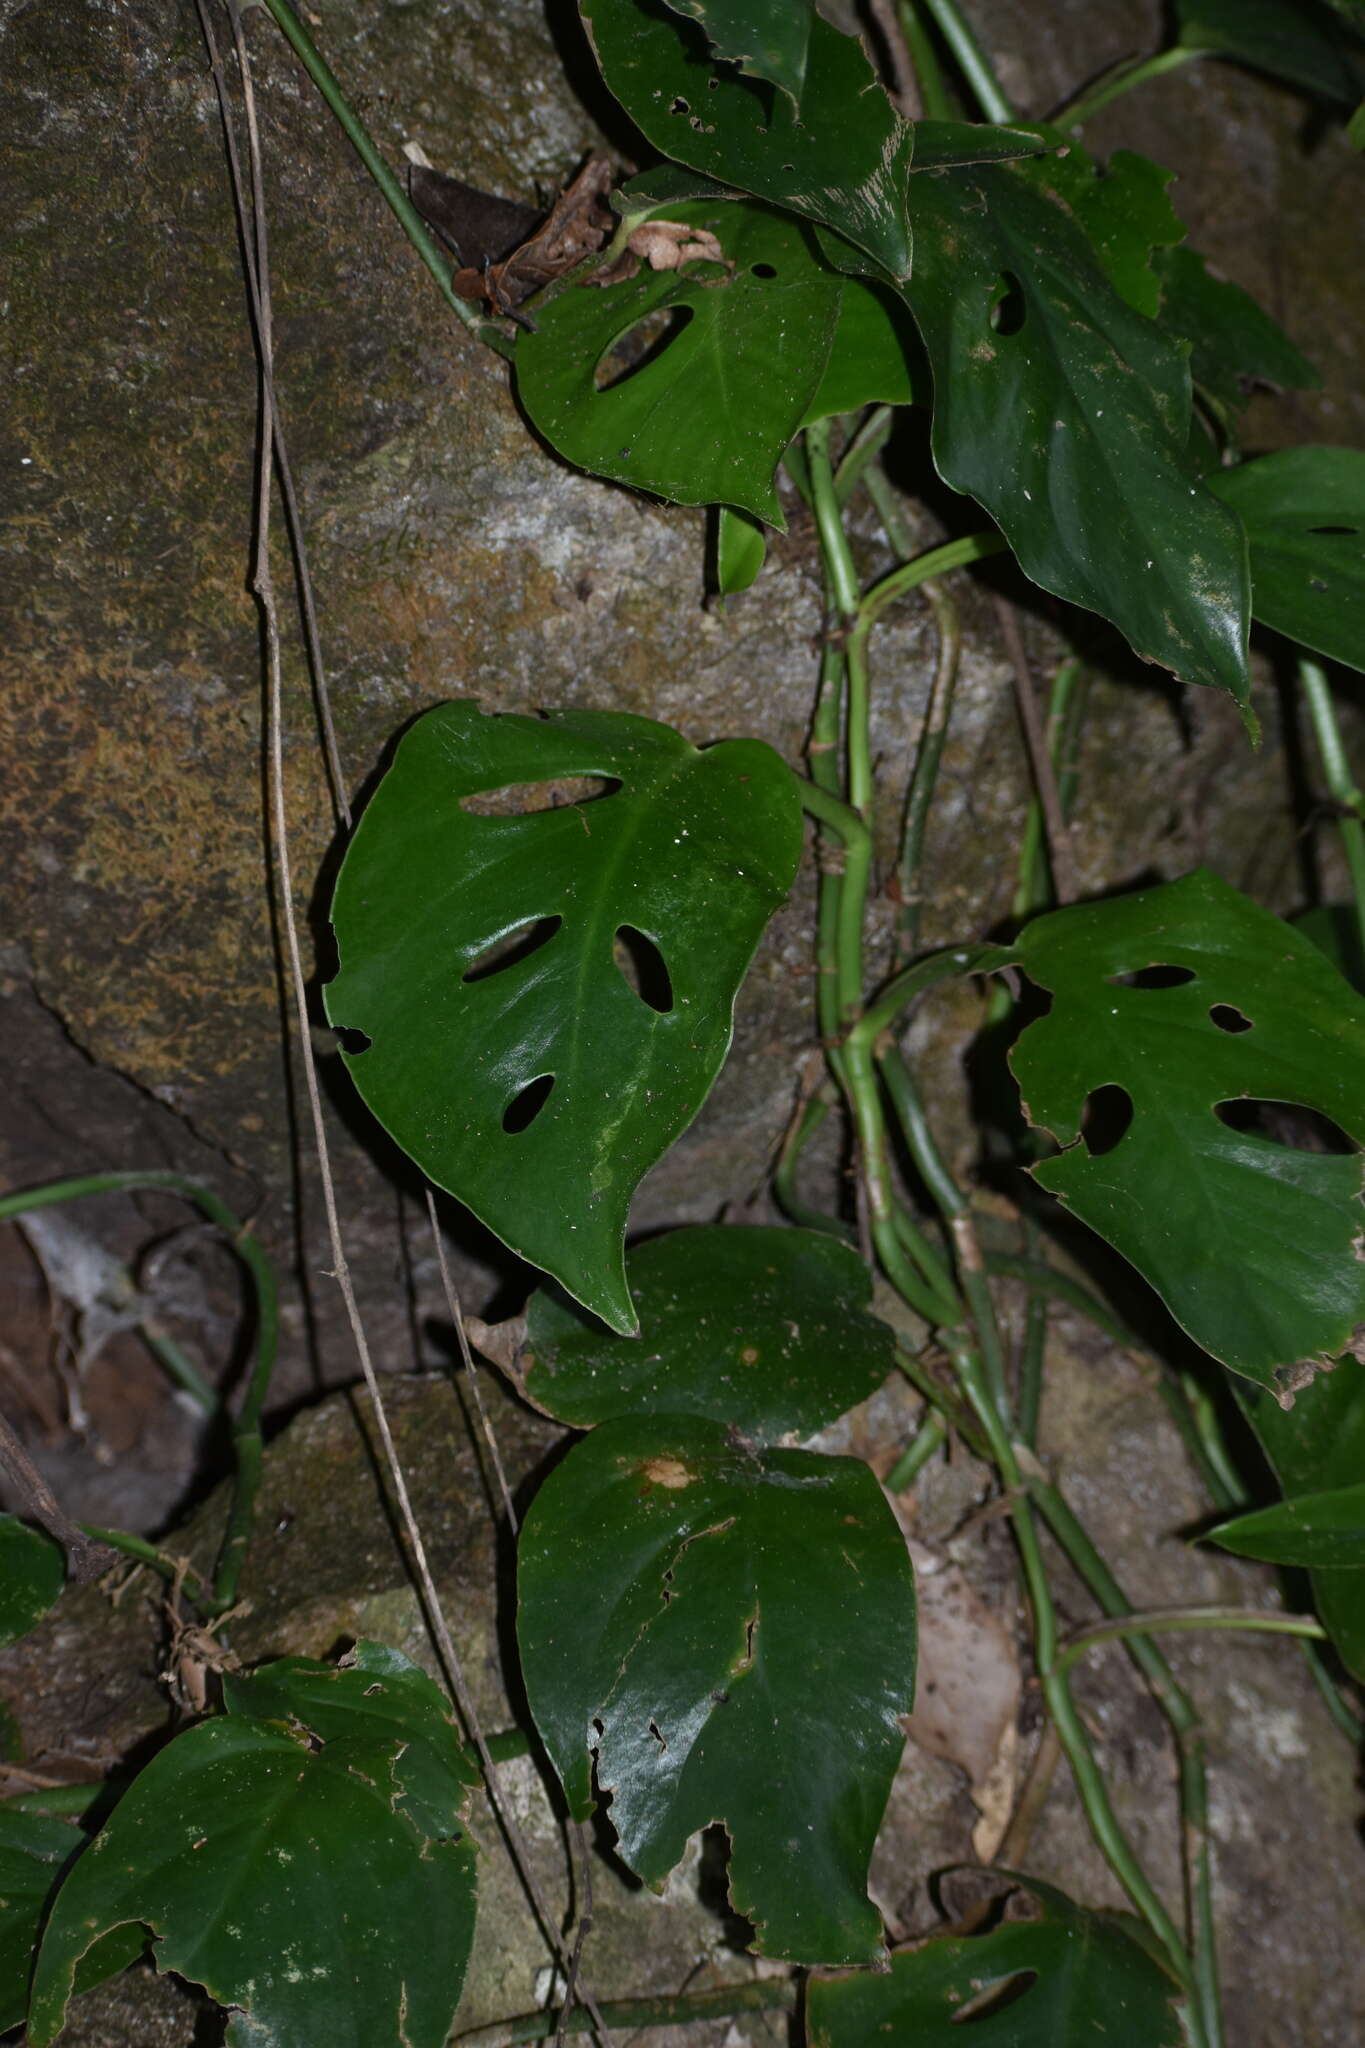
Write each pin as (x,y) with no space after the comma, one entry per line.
(703,414)
(1298,40)
(540,1083)
(1066,413)
(1315,1445)
(767,38)
(875,357)
(732,1634)
(1311,1529)
(1304,510)
(32,1574)
(1234,345)
(33,1850)
(1091,1983)
(327,1892)
(845,160)
(1123,207)
(741,548)
(766,1330)
(1250,1242)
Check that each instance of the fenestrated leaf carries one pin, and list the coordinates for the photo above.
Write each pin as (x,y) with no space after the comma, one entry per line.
(328,1893)
(1066,414)
(1250,1242)
(741,546)
(630,921)
(33,1850)
(1304,510)
(768,1330)
(1123,207)
(703,417)
(1234,344)
(32,1574)
(1318,1443)
(1298,40)
(731,1632)
(1310,1529)
(1092,1983)
(845,160)
(767,38)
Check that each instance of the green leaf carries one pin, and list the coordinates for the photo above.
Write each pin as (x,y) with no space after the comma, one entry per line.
(1316,1443)
(631,921)
(327,1892)
(768,1330)
(34,1849)
(875,357)
(1077,1977)
(767,38)
(741,546)
(733,358)
(1311,1529)
(1355,128)
(1304,510)
(32,1574)
(1124,210)
(845,160)
(1186,998)
(1066,414)
(1297,40)
(732,1634)
(1233,343)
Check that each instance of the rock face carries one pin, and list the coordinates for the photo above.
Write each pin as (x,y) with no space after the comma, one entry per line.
(452,554)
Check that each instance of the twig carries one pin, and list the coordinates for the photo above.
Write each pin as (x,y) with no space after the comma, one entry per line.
(1060,856)
(905,93)
(87,1559)
(476,1392)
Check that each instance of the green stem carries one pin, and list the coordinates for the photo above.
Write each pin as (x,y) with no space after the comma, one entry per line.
(1168,1620)
(1036,887)
(1340,781)
(971,60)
(409,219)
(1032,1357)
(181,1368)
(950,963)
(953,554)
(862,451)
(684,2008)
(930,1438)
(785,1191)
(246,1430)
(1122,79)
(933,94)
(168,1568)
(834,547)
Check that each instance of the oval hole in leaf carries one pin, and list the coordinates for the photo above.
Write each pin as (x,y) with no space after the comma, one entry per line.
(1334,529)
(512,948)
(1108,1113)
(522,1111)
(1009,307)
(1159,975)
(1284,1123)
(642,967)
(762,270)
(1229,1018)
(525,799)
(995,1998)
(640,345)
(352,1041)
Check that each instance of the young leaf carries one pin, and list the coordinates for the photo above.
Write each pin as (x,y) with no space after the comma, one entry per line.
(33,1851)
(1234,345)
(1311,1529)
(1304,510)
(1297,40)
(768,1330)
(1316,1445)
(732,1634)
(1066,414)
(1196,1004)
(875,357)
(326,1891)
(689,382)
(741,546)
(845,160)
(1074,1976)
(767,38)
(541,1081)
(32,1574)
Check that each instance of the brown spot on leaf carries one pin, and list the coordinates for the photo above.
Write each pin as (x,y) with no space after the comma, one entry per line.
(667,1472)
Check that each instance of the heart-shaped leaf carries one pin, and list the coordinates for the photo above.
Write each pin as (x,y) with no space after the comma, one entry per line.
(1066,1976)
(732,1634)
(767,1330)
(327,1892)
(1311,1529)
(845,160)
(549,992)
(1197,1006)
(1234,345)
(690,382)
(1298,40)
(1304,510)
(32,1574)
(767,38)
(1066,414)
(33,1850)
